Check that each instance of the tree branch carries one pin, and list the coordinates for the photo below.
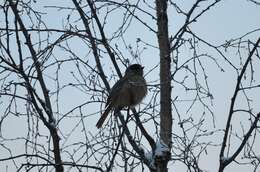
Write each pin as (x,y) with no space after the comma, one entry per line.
(223,161)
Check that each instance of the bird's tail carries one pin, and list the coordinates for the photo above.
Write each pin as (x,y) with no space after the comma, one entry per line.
(103,117)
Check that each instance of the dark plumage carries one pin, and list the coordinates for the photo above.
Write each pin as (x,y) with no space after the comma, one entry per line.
(128,91)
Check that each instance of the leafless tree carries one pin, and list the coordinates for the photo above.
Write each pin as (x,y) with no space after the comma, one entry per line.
(59,59)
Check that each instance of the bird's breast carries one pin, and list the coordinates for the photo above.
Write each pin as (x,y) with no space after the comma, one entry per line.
(138,89)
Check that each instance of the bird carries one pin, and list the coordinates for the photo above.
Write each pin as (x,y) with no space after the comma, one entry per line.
(128,91)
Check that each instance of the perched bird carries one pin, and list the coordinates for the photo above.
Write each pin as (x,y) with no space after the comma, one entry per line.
(127,92)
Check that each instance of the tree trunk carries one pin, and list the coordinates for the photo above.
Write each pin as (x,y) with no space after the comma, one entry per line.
(165,84)
(56,150)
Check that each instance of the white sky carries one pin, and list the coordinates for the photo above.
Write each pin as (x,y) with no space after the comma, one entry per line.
(227,20)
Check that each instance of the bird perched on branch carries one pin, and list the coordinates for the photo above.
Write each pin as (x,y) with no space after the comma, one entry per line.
(127,92)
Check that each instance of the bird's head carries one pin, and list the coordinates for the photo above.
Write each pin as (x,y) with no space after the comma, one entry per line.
(134,69)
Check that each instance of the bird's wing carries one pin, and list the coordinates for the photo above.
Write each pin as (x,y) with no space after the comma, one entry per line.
(114,92)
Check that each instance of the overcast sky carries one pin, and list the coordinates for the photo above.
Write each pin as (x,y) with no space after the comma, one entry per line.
(229,19)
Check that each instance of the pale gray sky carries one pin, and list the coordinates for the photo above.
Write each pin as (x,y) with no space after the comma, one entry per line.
(228,20)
